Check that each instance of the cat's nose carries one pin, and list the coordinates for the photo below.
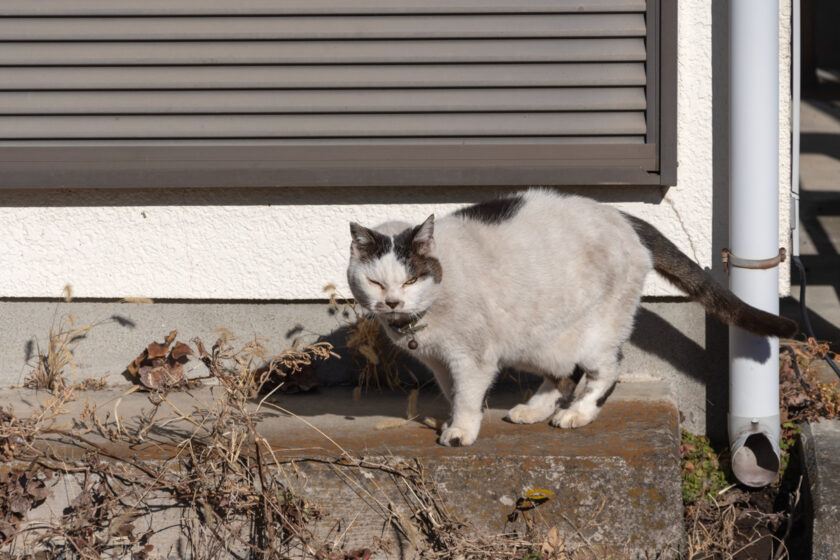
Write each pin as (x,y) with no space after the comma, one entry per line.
(391,303)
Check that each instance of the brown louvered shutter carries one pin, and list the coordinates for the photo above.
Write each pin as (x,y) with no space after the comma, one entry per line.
(141,93)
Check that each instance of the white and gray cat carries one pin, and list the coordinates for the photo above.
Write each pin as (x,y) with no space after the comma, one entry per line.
(539,281)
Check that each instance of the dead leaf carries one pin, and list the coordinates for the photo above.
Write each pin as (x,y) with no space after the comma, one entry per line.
(155,350)
(6,529)
(202,351)
(37,489)
(158,367)
(162,377)
(554,547)
(180,350)
(134,366)
(19,504)
(126,530)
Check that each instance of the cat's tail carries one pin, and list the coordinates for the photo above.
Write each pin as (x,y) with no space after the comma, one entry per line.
(687,275)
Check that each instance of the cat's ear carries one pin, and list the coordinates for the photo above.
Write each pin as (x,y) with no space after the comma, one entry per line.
(364,241)
(423,242)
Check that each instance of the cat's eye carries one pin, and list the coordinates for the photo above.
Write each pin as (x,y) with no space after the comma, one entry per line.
(410,281)
(377,284)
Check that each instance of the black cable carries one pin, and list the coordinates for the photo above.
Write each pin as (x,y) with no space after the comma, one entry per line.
(789,350)
(803,311)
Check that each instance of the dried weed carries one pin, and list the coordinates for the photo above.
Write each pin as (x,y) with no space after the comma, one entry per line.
(725,521)
(218,475)
(54,363)
(374,356)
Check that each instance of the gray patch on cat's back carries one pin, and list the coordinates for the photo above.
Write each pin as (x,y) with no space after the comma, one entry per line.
(493,211)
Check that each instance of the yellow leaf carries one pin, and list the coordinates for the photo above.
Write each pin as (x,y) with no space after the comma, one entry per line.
(539,494)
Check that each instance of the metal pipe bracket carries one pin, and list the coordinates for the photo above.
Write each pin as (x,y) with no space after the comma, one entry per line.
(730,259)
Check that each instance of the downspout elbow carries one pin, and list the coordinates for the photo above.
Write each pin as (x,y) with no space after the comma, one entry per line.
(754,442)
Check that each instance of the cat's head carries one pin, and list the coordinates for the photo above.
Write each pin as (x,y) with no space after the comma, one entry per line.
(393,271)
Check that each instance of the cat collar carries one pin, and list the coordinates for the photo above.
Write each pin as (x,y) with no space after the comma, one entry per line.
(408,329)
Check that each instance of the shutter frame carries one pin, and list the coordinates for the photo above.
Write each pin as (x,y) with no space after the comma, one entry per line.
(216,162)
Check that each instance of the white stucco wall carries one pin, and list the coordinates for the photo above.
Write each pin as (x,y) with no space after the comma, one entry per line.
(289,243)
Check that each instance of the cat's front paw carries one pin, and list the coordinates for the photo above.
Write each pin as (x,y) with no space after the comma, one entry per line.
(569,418)
(457,437)
(525,414)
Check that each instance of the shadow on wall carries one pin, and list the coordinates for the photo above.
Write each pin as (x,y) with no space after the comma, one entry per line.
(309,196)
(717,337)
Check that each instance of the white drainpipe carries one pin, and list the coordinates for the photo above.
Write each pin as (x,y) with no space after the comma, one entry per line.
(754,235)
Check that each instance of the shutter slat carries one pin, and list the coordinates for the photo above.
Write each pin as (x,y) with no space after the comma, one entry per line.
(321,52)
(322,101)
(274,7)
(361,76)
(244,147)
(324,126)
(321,27)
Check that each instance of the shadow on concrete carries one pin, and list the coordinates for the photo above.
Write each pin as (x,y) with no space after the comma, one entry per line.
(824,267)
(656,336)
(653,335)
(823,328)
(820,143)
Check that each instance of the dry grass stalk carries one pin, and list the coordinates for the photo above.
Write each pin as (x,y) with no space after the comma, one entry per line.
(725,529)
(219,475)
(375,357)
(224,478)
(53,363)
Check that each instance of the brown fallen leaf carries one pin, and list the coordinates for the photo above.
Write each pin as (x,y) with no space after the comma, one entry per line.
(158,368)
(155,350)
(161,377)
(554,547)
(180,350)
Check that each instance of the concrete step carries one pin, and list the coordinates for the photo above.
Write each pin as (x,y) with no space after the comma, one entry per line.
(615,483)
(821,445)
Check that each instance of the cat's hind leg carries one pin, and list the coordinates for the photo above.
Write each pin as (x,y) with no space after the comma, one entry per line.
(601,379)
(551,394)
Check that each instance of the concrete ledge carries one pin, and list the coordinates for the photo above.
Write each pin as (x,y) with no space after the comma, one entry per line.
(821,443)
(616,482)
(673,340)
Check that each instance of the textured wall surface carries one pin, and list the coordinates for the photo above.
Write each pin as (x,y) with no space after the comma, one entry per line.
(288,243)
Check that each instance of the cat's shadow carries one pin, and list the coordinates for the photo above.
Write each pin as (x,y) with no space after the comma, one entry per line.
(653,336)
